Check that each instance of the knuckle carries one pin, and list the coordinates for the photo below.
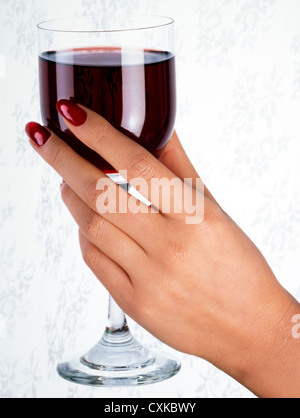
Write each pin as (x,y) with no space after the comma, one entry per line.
(56,157)
(96,226)
(142,165)
(90,255)
(91,193)
(102,201)
(213,216)
(101,133)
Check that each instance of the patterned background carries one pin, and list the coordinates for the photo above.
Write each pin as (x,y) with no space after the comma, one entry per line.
(238,116)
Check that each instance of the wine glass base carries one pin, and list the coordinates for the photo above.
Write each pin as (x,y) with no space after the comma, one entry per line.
(118,359)
(162,368)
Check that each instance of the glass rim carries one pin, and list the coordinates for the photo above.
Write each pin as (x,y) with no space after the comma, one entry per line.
(168,21)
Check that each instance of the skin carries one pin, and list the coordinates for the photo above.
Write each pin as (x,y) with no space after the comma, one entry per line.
(204,289)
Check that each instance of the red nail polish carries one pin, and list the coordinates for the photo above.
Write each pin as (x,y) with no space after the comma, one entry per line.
(37,133)
(72,112)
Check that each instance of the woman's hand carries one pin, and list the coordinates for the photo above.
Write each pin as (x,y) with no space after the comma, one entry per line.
(204,289)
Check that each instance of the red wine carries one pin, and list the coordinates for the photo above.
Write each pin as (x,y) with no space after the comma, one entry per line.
(134,90)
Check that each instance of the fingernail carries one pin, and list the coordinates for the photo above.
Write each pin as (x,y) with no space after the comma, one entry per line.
(72,112)
(37,133)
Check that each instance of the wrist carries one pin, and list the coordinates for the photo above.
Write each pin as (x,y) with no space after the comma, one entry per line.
(270,367)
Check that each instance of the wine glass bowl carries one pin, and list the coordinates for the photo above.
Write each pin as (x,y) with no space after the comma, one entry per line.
(128,82)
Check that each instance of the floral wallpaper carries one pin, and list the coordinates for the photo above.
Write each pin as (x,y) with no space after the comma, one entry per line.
(238,77)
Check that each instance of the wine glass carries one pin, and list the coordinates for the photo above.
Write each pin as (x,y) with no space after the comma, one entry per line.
(122,67)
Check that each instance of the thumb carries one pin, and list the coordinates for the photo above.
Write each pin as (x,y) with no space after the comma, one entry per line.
(175,159)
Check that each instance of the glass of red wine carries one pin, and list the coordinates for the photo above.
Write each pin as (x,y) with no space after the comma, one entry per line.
(122,67)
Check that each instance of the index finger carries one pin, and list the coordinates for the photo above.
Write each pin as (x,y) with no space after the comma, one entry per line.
(116,148)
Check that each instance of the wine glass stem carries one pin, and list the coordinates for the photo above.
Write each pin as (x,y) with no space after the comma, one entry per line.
(117,330)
